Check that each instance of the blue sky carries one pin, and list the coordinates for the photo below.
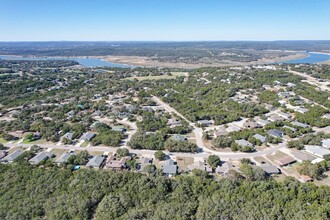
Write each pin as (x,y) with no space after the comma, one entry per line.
(167,20)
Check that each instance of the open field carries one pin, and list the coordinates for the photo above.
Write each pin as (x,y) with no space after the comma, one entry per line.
(147,62)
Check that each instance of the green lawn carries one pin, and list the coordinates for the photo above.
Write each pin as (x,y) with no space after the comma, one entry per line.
(3,141)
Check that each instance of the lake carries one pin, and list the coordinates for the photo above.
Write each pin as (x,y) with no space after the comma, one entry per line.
(87,62)
(311,58)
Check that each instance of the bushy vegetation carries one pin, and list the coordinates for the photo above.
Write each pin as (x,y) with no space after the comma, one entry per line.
(35,193)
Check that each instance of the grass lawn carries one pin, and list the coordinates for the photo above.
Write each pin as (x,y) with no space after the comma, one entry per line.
(84,144)
(40,141)
(3,141)
(58,152)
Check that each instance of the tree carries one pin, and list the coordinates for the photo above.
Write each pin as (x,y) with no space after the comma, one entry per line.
(213,161)
(160,155)
(246,161)
(2,147)
(122,152)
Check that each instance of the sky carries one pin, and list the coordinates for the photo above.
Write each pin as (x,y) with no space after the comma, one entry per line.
(164,20)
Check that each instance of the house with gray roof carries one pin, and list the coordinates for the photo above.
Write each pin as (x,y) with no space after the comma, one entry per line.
(204,122)
(170,168)
(63,158)
(178,137)
(290,128)
(68,135)
(275,133)
(317,150)
(41,156)
(299,124)
(11,157)
(270,169)
(144,161)
(260,138)
(326,143)
(119,128)
(88,136)
(262,122)
(3,153)
(95,162)
(243,143)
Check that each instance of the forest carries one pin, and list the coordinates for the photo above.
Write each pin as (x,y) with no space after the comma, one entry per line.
(52,193)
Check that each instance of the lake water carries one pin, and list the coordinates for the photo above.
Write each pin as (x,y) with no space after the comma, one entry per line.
(87,62)
(311,58)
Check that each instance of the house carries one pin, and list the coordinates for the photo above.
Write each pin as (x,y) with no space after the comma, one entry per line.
(114,164)
(11,157)
(250,124)
(144,161)
(299,124)
(200,165)
(260,138)
(317,150)
(262,122)
(285,160)
(3,153)
(270,169)
(301,110)
(63,158)
(284,115)
(220,132)
(204,122)
(224,169)
(41,156)
(290,85)
(326,143)
(170,168)
(275,133)
(119,128)
(68,135)
(70,114)
(305,179)
(269,107)
(95,162)
(290,128)
(173,122)
(88,136)
(284,95)
(178,137)
(243,143)
(274,117)
(232,128)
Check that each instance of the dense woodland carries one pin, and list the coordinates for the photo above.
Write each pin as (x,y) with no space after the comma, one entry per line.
(53,193)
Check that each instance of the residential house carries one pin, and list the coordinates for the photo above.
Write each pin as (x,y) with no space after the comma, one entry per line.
(88,136)
(3,153)
(11,157)
(299,124)
(70,114)
(170,168)
(317,151)
(301,110)
(275,133)
(68,135)
(260,138)
(305,179)
(250,124)
(290,128)
(326,143)
(262,122)
(200,165)
(178,137)
(173,122)
(270,169)
(115,164)
(284,160)
(224,169)
(41,156)
(220,132)
(243,143)
(274,117)
(95,162)
(119,128)
(284,115)
(204,122)
(144,161)
(64,158)
(232,128)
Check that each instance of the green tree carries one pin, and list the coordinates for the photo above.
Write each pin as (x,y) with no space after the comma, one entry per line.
(160,155)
